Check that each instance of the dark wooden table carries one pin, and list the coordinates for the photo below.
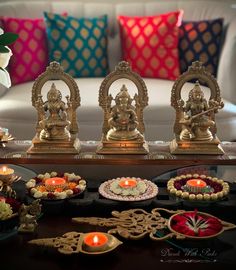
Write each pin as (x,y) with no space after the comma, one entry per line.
(15,153)
(16,253)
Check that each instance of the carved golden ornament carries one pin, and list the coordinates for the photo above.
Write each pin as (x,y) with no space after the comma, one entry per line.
(73,242)
(135,224)
(195,127)
(123,126)
(56,128)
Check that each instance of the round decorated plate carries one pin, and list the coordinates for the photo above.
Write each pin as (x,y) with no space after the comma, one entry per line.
(213,188)
(139,189)
(196,225)
(54,186)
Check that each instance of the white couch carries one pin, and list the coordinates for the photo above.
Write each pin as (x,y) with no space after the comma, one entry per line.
(17,113)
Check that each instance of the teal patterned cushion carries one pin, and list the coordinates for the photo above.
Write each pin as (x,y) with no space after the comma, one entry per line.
(79,45)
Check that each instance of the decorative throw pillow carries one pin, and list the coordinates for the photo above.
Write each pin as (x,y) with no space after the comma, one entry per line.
(30,52)
(200,41)
(150,44)
(79,45)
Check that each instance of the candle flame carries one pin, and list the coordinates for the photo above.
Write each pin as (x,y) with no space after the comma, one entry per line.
(198,182)
(126,182)
(95,239)
(4,168)
(53,182)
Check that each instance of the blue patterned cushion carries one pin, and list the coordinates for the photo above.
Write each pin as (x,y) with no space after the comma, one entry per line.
(79,45)
(200,40)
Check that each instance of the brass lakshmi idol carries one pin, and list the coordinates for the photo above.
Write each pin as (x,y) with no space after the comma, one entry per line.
(123,125)
(57,127)
(195,127)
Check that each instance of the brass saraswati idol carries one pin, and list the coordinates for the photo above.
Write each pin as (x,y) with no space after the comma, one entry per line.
(57,128)
(123,127)
(195,126)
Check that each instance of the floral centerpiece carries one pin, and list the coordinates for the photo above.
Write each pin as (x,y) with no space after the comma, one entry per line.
(54,186)
(9,209)
(195,224)
(136,190)
(213,189)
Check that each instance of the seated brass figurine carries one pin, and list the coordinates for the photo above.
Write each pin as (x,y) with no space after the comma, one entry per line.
(123,121)
(54,126)
(57,127)
(123,126)
(196,123)
(195,126)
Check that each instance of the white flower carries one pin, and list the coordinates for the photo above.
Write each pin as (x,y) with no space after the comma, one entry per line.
(38,194)
(53,174)
(5,210)
(33,190)
(62,195)
(69,192)
(30,184)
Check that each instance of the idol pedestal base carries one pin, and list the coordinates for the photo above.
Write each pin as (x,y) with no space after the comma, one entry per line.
(138,147)
(54,147)
(196,147)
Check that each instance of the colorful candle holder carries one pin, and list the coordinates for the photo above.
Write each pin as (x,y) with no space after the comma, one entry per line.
(54,183)
(198,187)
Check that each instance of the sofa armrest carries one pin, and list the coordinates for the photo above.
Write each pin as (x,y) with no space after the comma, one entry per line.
(226,75)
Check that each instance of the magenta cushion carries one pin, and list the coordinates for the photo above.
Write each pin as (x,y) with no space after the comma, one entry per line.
(30,52)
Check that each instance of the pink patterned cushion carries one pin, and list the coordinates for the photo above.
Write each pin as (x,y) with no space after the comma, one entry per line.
(30,52)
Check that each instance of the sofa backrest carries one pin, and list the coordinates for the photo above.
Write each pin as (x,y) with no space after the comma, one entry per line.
(193,10)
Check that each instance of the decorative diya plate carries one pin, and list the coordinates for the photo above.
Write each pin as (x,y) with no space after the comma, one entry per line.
(197,187)
(197,225)
(75,242)
(53,186)
(143,190)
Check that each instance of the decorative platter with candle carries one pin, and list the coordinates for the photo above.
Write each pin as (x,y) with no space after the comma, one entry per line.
(198,187)
(197,225)
(128,189)
(53,186)
(94,243)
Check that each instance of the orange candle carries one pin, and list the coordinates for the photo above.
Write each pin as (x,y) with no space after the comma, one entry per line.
(95,239)
(128,183)
(55,182)
(196,185)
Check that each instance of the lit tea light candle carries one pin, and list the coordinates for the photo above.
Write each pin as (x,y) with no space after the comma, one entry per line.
(6,173)
(196,185)
(55,182)
(128,183)
(95,241)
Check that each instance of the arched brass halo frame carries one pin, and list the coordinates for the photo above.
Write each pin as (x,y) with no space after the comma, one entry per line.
(199,72)
(123,71)
(55,72)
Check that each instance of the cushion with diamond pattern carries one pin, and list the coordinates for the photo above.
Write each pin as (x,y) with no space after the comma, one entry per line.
(30,52)
(78,44)
(200,41)
(150,44)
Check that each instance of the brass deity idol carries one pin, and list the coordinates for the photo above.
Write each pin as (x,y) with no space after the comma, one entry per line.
(57,126)
(123,125)
(54,126)
(195,127)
